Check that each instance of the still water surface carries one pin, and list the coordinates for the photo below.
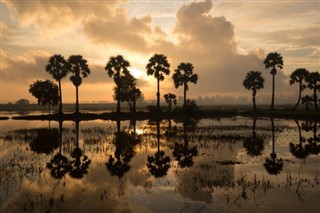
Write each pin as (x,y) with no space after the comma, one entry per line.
(211,165)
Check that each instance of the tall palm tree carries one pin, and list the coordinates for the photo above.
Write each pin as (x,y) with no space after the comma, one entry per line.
(58,67)
(117,67)
(313,83)
(158,66)
(182,76)
(170,98)
(273,61)
(298,76)
(254,81)
(79,67)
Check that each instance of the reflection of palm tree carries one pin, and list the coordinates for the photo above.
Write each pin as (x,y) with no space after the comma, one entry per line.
(313,145)
(78,65)
(119,163)
(182,76)
(183,154)
(58,68)
(254,81)
(159,163)
(80,163)
(298,150)
(158,66)
(254,144)
(273,164)
(59,164)
(273,61)
(297,77)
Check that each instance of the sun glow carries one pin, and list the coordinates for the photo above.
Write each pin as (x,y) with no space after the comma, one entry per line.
(137,73)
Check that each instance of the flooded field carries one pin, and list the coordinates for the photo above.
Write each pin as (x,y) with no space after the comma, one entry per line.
(211,165)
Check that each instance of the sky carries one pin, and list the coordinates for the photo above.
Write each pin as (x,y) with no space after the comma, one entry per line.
(222,39)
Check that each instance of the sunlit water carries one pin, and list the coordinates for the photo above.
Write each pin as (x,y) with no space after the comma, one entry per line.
(225,165)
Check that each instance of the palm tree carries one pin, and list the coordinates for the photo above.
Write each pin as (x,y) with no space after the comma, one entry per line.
(117,67)
(254,81)
(58,67)
(298,76)
(170,98)
(158,66)
(313,83)
(78,65)
(273,61)
(182,76)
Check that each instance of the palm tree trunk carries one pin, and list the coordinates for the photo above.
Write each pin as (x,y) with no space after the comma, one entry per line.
(60,94)
(60,136)
(118,99)
(299,130)
(254,126)
(272,100)
(134,104)
(77,133)
(298,102)
(77,100)
(254,100)
(315,98)
(184,94)
(49,108)
(272,129)
(158,135)
(158,95)
(170,102)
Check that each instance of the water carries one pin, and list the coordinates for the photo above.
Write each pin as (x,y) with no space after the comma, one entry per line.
(224,165)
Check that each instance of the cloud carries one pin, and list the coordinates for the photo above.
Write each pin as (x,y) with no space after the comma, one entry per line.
(209,43)
(120,31)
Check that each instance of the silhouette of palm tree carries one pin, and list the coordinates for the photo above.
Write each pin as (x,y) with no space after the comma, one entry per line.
(298,150)
(313,83)
(169,99)
(254,145)
(298,76)
(117,67)
(253,81)
(159,163)
(273,164)
(182,76)
(273,61)
(80,163)
(58,67)
(79,67)
(59,165)
(158,66)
